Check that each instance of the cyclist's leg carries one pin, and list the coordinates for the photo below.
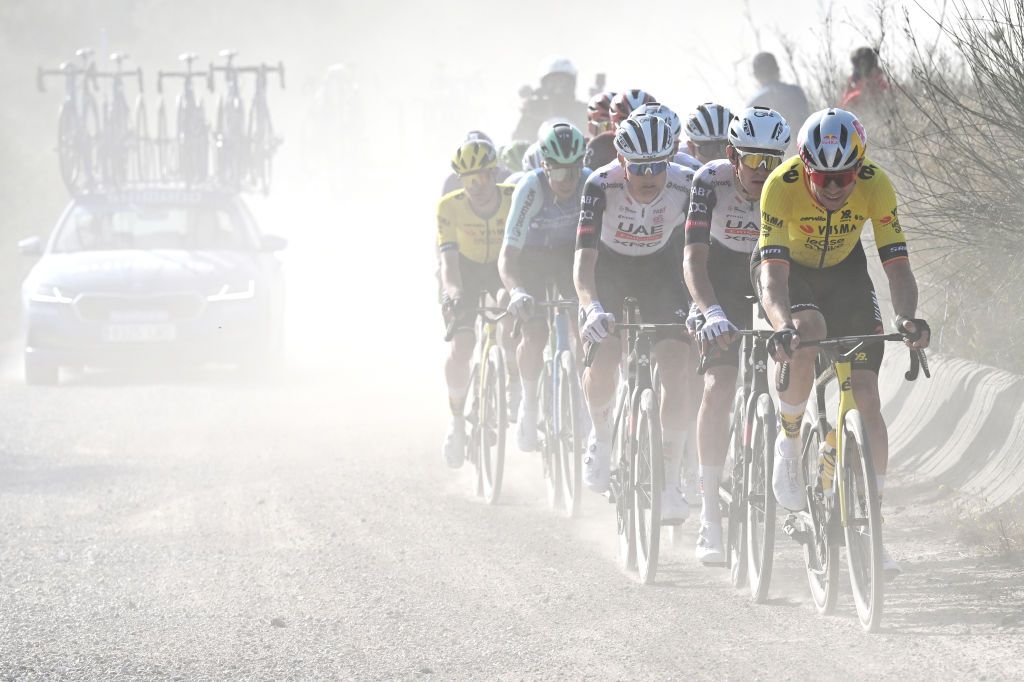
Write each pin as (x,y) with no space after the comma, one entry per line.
(716,400)
(851,308)
(787,474)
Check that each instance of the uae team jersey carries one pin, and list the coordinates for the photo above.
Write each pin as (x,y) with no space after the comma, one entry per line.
(611,218)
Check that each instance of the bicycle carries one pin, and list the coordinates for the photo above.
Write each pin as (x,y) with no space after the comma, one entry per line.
(559,408)
(487,412)
(229,132)
(262,141)
(844,510)
(186,154)
(747,497)
(637,480)
(78,122)
(119,140)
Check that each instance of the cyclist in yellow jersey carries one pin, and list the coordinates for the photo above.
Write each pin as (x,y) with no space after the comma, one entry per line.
(811,275)
(470,229)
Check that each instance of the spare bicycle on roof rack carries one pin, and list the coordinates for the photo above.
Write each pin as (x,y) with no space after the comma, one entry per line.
(103,144)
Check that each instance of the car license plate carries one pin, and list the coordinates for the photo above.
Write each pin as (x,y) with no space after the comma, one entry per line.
(140,333)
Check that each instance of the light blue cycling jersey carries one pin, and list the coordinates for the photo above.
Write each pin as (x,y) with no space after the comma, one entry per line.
(537,218)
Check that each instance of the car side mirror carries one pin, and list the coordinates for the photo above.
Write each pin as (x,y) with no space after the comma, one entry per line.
(271,242)
(31,246)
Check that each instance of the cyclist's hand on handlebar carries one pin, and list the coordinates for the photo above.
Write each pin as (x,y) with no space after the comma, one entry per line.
(783,343)
(694,321)
(717,330)
(595,323)
(521,304)
(916,332)
(451,306)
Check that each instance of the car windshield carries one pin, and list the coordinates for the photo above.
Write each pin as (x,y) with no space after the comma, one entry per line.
(190,228)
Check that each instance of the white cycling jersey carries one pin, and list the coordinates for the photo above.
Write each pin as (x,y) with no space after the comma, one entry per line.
(687,161)
(719,213)
(609,216)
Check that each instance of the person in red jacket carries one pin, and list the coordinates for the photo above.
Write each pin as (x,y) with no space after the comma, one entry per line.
(867,84)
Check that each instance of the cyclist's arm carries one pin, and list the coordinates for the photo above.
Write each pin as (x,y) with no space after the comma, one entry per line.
(588,234)
(892,244)
(451,276)
(698,244)
(526,203)
(902,288)
(773,249)
(448,247)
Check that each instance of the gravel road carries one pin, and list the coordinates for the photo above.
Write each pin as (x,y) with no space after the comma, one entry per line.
(200,526)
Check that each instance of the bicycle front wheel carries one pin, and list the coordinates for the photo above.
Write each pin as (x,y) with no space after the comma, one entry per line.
(648,471)
(622,485)
(737,460)
(863,523)
(493,425)
(761,498)
(821,549)
(549,455)
(568,434)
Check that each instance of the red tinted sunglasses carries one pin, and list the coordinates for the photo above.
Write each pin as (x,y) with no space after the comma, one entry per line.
(840,178)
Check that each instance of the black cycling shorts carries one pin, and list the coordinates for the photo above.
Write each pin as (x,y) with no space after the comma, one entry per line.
(845,296)
(477,278)
(656,283)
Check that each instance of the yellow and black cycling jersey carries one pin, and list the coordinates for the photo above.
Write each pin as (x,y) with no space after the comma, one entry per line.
(474,237)
(795,227)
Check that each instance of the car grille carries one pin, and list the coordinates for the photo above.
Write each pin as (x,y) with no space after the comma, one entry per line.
(102,308)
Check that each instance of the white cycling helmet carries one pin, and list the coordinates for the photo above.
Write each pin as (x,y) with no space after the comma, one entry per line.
(661,111)
(709,123)
(759,128)
(532,159)
(832,140)
(644,138)
(557,64)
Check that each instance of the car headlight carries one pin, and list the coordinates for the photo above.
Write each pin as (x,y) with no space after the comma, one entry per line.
(49,294)
(229,293)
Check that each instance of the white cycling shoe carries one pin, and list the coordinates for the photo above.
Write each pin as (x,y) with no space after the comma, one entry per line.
(526,430)
(597,464)
(674,509)
(709,544)
(788,475)
(455,443)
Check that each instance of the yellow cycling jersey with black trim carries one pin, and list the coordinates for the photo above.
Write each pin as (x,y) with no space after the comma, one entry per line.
(795,227)
(460,228)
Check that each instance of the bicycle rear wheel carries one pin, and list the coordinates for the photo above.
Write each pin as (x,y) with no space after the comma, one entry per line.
(493,425)
(549,454)
(261,146)
(760,522)
(568,434)
(165,146)
(863,523)
(821,549)
(648,469)
(736,547)
(68,148)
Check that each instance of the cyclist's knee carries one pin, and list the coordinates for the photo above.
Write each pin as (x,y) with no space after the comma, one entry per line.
(462,345)
(865,392)
(719,385)
(810,324)
(535,332)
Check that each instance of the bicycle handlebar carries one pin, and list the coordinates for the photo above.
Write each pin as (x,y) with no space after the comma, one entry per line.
(590,349)
(489,313)
(848,345)
(703,358)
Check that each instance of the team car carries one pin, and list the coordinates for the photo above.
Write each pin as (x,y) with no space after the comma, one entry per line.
(152,275)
